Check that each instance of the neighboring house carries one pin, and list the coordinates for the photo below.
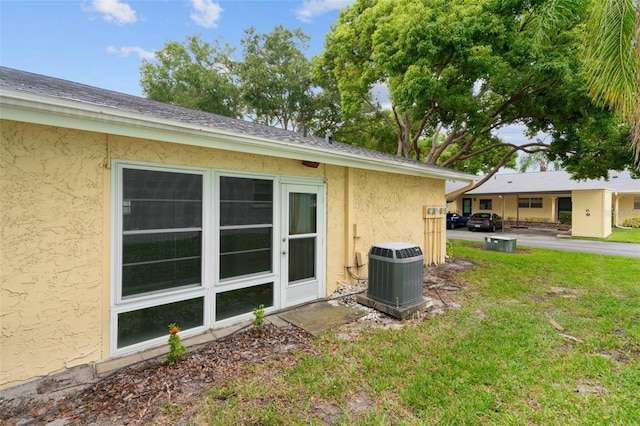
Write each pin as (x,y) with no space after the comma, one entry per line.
(121,215)
(594,204)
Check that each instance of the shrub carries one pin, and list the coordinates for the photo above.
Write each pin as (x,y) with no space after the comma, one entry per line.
(565,218)
(536,219)
(633,222)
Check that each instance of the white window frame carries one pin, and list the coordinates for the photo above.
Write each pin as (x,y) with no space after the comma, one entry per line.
(250,280)
(529,203)
(210,284)
(120,305)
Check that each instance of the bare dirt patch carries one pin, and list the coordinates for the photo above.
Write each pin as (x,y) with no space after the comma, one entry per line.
(151,392)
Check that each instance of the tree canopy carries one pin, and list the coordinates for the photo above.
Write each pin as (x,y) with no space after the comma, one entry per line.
(613,60)
(275,78)
(194,74)
(271,84)
(459,70)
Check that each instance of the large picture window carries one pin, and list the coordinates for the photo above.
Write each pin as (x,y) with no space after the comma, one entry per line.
(161,231)
(160,243)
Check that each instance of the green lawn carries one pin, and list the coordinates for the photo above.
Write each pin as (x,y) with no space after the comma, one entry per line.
(500,359)
(619,236)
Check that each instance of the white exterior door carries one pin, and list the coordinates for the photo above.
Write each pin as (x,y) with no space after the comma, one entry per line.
(302,254)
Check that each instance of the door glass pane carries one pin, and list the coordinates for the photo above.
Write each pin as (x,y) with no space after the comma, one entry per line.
(245,251)
(237,302)
(302,213)
(146,324)
(152,262)
(302,259)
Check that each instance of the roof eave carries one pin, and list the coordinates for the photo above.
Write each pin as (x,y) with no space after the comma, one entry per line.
(40,109)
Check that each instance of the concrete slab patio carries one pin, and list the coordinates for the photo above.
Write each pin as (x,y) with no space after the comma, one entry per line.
(322,315)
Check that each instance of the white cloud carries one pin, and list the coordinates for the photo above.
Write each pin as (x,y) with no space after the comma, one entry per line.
(114,11)
(125,51)
(313,8)
(207,13)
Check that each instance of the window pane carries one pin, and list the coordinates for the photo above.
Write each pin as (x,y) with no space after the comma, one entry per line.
(485,204)
(245,251)
(236,302)
(245,201)
(636,202)
(302,255)
(153,262)
(146,324)
(536,203)
(302,213)
(523,202)
(161,200)
(234,213)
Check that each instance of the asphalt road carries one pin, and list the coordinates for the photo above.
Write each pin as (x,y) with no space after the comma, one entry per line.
(550,239)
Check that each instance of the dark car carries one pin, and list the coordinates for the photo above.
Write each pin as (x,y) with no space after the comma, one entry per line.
(454,220)
(484,221)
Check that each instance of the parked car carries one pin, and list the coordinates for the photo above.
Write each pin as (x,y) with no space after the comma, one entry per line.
(484,221)
(454,220)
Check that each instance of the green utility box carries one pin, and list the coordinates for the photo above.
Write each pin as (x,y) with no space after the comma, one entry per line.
(503,244)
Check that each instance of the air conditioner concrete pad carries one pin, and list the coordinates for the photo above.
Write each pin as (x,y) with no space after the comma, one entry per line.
(402,312)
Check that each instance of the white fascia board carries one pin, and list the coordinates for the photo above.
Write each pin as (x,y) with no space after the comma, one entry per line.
(40,109)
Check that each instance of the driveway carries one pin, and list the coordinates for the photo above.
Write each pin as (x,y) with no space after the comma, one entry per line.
(550,239)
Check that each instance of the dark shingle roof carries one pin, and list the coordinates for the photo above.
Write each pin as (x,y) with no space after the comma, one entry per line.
(63,89)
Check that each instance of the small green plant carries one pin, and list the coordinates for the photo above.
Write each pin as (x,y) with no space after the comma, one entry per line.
(259,316)
(176,348)
(172,410)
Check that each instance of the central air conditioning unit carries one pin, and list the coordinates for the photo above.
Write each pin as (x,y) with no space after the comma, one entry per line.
(395,274)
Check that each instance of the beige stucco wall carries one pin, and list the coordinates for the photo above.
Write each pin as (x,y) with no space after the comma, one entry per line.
(623,205)
(591,213)
(511,211)
(52,280)
(376,198)
(55,206)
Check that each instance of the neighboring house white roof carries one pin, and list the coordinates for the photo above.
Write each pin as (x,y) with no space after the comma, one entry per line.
(39,99)
(548,182)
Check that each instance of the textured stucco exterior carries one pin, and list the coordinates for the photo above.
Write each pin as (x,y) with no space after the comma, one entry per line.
(55,208)
(52,214)
(624,207)
(591,214)
(511,211)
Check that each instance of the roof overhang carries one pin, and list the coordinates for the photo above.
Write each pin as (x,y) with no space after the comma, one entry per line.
(54,111)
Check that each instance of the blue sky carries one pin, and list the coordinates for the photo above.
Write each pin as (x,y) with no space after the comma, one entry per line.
(102,42)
